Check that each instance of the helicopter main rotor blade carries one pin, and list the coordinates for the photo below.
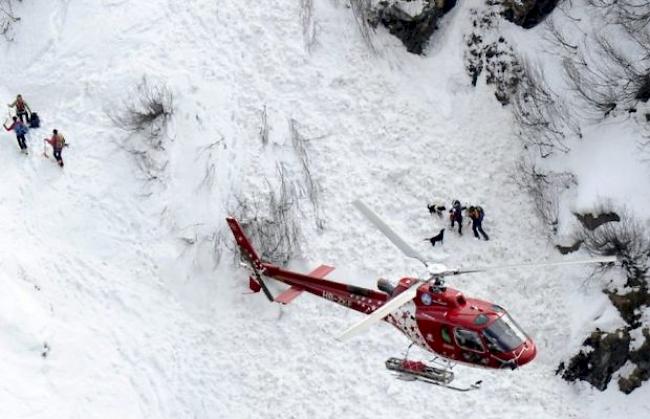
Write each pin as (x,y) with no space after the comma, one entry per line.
(606,259)
(383,311)
(388,232)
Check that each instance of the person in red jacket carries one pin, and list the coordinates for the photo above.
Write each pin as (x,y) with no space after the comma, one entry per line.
(57,142)
(20,129)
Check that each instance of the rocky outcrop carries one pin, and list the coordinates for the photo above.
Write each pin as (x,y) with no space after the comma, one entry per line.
(641,358)
(607,233)
(604,355)
(527,13)
(565,250)
(592,222)
(413,22)
(489,52)
(630,304)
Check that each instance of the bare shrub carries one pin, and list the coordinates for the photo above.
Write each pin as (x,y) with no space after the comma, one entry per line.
(150,165)
(264,127)
(545,189)
(312,188)
(196,237)
(209,152)
(611,77)
(556,37)
(634,13)
(308,27)
(147,109)
(270,220)
(362,10)
(543,120)
(626,239)
(7,19)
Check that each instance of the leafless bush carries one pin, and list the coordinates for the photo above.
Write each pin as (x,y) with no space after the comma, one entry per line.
(543,120)
(148,108)
(308,27)
(7,19)
(269,218)
(149,164)
(194,238)
(626,239)
(635,13)
(362,10)
(312,188)
(264,127)
(556,37)
(209,152)
(545,189)
(610,77)
(146,111)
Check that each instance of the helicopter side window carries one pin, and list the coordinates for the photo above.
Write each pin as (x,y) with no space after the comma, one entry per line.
(468,340)
(444,333)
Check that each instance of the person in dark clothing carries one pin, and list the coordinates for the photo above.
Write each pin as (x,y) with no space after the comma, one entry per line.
(456,215)
(57,142)
(21,108)
(476,214)
(20,129)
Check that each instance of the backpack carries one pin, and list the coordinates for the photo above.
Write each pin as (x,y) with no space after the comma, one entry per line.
(34,121)
(480,212)
(59,142)
(21,129)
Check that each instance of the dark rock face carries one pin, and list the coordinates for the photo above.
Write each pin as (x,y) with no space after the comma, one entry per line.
(497,58)
(527,13)
(610,352)
(626,240)
(643,92)
(641,357)
(629,305)
(413,31)
(592,222)
(565,250)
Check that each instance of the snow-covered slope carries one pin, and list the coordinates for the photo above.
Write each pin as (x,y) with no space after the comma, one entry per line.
(140,323)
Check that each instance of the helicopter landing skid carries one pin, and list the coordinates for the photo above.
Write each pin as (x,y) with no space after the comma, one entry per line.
(416,370)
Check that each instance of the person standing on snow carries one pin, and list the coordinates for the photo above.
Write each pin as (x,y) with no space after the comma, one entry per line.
(57,142)
(20,129)
(456,215)
(476,214)
(21,108)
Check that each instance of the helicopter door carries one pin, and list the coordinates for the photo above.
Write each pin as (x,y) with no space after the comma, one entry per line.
(471,345)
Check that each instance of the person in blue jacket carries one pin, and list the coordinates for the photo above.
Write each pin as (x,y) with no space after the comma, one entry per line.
(20,129)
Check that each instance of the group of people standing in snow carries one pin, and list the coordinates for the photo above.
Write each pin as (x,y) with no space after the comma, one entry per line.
(474,212)
(20,127)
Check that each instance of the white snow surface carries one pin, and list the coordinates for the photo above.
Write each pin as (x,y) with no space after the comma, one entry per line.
(140,324)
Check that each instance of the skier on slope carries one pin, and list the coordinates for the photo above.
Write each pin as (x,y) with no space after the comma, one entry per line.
(476,214)
(21,108)
(456,215)
(57,142)
(20,129)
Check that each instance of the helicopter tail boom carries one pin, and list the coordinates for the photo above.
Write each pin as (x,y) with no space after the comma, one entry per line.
(255,264)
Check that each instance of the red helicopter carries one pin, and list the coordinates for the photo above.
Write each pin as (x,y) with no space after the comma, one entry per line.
(437,318)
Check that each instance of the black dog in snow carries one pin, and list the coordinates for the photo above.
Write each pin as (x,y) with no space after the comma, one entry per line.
(437,238)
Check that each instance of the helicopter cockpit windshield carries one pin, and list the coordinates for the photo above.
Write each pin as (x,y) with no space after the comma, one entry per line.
(504,335)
